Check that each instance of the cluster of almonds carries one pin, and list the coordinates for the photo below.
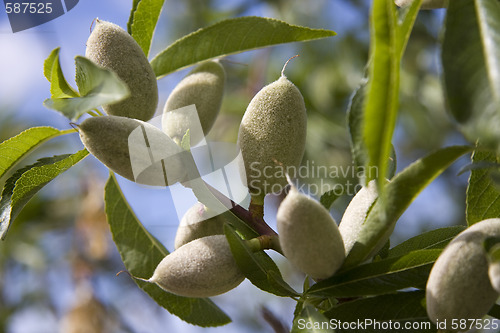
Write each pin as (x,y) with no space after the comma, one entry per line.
(202,265)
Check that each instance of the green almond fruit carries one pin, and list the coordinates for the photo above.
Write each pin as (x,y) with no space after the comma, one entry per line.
(202,268)
(272,136)
(113,48)
(203,87)
(459,287)
(196,223)
(309,236)
(355,214)
(135,150)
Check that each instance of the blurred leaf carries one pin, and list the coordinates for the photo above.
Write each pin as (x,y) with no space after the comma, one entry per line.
(144,19)
(399,194)
(384,251)
(495,311)
(434,239)
(27,181)
(382,94)
(399,308)
(16,148)
(328,198)
(355,123)
(141,252)
(380,277)
(59,87)
(230,36)
(483,196)
(310,321)
(258,267)
(389,36)
(471,67)
(491,245)
(98,86)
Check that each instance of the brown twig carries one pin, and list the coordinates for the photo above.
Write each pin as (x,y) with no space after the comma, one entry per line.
(256,223)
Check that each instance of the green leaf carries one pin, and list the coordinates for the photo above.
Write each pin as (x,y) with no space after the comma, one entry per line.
(135,3)
(16,148)
(483,196)
(258,267)
(328,198)
(406,20)
(145,17)
(141,253)
(495,311)
(471,68)
(311,321)
(228,37)
(97,86)
(59,87)
(380,277)
(27,181)
(186,141)
(434,239)
(399,308)
(382,97)
(399,193)
(355,123)
(355,118)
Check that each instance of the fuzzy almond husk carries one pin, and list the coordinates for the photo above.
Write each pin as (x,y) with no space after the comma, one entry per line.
(272,136)
(355,214)
(202,87)
(113,48)
(309,236)
(119,143)
(458,286)
(196,223)
(202,268)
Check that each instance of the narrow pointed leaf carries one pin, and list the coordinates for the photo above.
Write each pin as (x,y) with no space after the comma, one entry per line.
(380,277)
(97,86)
(144,21)
(59,87)
(229,37)
(382,98)
(27,181)
(406,22)
(135,3)
(483,196)
(399,194)
(16,148)
(434,239)
(258,267)
(141,252)
(400,309)
(471,68)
